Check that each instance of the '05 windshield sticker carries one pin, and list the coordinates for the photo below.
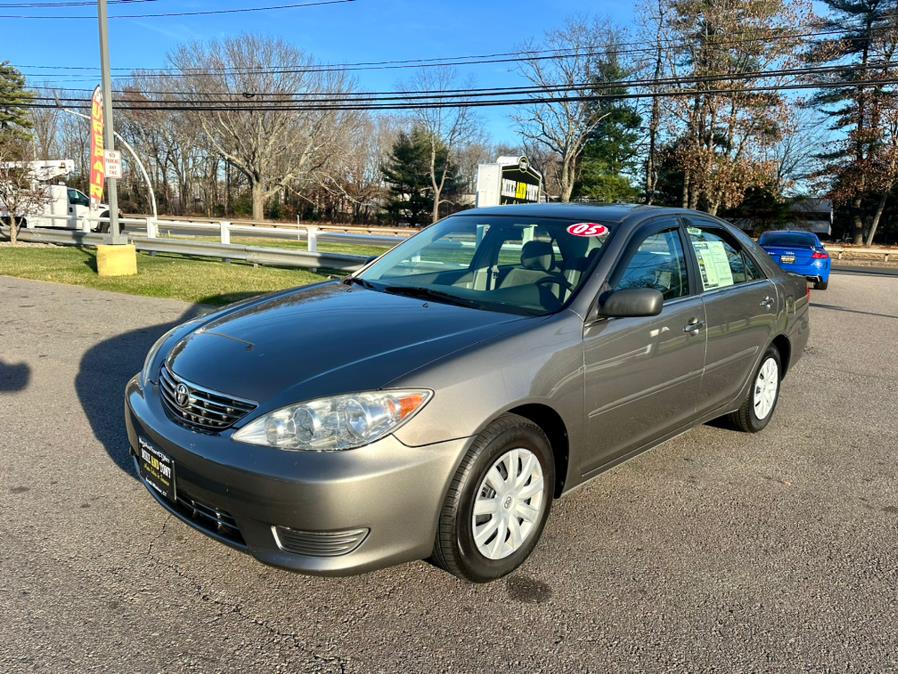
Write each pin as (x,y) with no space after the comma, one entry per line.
(588,229)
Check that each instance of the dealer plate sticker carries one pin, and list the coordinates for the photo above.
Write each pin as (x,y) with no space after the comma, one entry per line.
(157,469)
(588,229)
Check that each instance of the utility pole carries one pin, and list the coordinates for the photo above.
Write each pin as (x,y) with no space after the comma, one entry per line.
(108,131)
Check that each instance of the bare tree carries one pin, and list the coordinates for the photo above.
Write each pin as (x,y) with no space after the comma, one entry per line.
(467,158)
(20,193)
(885,159)
(654,29)
(723,137)
(172,142)
(563,124)
(275,149)
(548,163)
(448,129)
(45,132)
(74,144)
(357,170)
(795,155)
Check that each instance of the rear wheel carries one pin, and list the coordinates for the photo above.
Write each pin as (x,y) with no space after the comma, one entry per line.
(497,503)
(821,285)
(758,406)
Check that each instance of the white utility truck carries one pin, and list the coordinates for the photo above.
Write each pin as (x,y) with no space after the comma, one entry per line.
(69,207)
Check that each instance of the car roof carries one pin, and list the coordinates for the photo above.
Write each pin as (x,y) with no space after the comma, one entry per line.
(571,211)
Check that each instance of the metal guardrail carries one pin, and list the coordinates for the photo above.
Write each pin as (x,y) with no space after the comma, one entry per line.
(274,257)
(375,230)
(224,228)
(271,257)
(839,251)
(311,235)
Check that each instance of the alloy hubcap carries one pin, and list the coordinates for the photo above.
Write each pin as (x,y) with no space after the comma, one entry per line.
(509,504)
(766,386)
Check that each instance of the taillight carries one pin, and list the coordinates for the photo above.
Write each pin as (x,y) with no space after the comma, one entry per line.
(807,294)
(819,255)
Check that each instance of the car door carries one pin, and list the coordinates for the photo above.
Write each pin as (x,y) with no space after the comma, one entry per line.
(740,310)
(79,207)
(642,375)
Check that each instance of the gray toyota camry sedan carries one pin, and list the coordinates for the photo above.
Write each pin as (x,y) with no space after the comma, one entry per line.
(433,404)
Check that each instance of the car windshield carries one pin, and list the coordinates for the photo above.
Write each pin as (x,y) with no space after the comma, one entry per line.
(499,263)
(788,239)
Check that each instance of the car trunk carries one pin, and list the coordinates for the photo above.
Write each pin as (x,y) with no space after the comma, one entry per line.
(802,253)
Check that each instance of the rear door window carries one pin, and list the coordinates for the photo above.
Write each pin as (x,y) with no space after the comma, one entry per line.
(721,260)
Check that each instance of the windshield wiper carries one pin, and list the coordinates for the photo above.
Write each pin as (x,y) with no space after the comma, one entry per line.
(349,280)
(431,294)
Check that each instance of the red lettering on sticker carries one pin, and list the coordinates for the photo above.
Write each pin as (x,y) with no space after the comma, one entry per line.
(588,229)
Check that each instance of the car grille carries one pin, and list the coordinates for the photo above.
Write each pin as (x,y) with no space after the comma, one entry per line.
(318,543)
(209,518)
(202,409)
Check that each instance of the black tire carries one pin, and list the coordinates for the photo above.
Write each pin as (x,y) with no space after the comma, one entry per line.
(821,285)
(745,418)
(454,548)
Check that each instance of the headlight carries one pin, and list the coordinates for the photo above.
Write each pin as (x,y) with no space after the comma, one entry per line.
(145,373)
(332,424)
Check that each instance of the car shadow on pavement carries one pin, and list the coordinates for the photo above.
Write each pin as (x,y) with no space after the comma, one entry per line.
(833,307)
(105,370)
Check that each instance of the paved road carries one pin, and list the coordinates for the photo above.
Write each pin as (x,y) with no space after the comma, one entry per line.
(840,267)
(716,551)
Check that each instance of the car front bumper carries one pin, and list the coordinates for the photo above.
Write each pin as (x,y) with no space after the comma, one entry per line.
(301,510)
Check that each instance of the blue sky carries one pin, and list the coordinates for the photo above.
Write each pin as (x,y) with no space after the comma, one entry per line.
(363,30)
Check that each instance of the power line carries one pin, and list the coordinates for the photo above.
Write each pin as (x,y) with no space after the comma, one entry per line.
(362,105)
(448,61)
(209,12)
(244,101)
(509,102)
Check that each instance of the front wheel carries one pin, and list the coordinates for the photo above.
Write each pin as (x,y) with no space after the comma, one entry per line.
(758,406)
(497,503)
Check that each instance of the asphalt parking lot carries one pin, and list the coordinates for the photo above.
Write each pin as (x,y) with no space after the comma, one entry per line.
(718,550)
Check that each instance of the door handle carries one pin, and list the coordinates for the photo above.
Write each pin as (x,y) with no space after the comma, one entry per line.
(767,302)
(693,327)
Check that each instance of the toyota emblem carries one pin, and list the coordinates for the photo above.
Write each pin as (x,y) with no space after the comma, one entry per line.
(182,395)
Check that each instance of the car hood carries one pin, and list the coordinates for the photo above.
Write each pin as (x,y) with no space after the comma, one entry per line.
(324,340)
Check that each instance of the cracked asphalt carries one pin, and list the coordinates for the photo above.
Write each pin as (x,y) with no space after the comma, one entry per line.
(715,551)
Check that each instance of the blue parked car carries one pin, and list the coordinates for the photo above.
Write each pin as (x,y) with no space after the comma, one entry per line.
(799,253)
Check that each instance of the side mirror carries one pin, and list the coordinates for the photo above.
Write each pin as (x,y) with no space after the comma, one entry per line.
(631,302)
